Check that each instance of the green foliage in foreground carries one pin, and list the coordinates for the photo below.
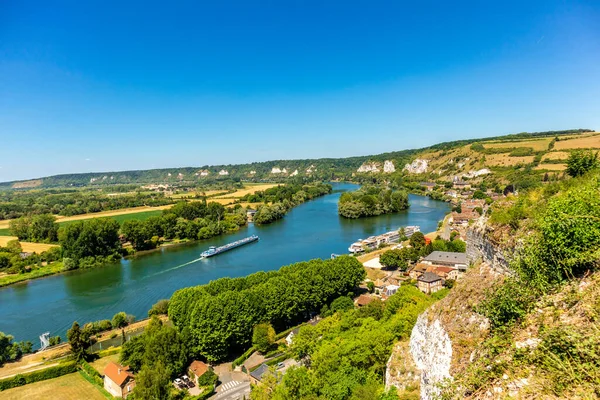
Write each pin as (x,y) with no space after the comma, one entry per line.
(564,242)
(220,316)
(345,355)
(580,162)
(370,201)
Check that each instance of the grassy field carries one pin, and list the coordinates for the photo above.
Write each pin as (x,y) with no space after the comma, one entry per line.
(9,279)
(555,155)
(536,144)
(250,189)
(28,247)
(504,160)
(552,167)
(101,363)
(591,141)
(67,387)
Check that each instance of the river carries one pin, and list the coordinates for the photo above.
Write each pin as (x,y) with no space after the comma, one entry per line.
(311,230)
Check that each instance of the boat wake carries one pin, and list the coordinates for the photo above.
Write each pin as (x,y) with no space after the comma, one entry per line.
(177,267)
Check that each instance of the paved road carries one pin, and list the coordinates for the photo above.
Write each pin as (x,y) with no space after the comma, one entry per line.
(233,390)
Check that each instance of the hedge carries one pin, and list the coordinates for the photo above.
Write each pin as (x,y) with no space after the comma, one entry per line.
(109,352)
(240,360)
(91,371)
(37,376)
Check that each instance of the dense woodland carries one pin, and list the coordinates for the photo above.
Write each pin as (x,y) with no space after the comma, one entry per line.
(369,201)
(279,200)
(344,355)
(220,316)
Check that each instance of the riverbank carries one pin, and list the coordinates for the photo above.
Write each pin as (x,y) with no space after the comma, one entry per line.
(51,269)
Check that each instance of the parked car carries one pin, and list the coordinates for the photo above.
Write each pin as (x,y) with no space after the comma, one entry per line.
(280,365)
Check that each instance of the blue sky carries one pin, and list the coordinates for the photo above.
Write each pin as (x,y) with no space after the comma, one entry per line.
(103,86)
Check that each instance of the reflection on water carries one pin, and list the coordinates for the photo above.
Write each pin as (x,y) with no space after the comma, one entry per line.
(308,231)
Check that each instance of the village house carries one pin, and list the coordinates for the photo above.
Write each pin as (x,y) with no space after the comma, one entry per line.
(444,272)
(429,283)
(418,270)
(259,373)
(197,369)
(363,300)
(448,259)
(461,185)
(118,381)
(391,289)
(463,218)
(429,186)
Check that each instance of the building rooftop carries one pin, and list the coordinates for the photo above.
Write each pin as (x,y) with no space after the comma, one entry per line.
(446,256)
(117,373)
(429,277)
(259,372)
(198,367)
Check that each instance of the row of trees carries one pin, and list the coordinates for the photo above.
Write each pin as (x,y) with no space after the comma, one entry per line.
(15,204)
(220,316)
(37,228)
(344,356)
(372,200)
(283,198)
(11,351)
(193,220)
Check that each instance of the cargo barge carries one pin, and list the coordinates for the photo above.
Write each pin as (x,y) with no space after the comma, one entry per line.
(213,251)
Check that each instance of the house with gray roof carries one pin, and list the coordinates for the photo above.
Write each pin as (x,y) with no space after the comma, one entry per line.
(447,259)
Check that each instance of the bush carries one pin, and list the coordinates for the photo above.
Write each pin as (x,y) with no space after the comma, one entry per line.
(208,379)
(119,320)
(37,376)
(161,307)
(263,337)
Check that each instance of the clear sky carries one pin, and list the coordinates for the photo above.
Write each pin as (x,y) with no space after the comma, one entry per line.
(90,86)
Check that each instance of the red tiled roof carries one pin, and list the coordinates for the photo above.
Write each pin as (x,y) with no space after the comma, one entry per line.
(198,367)
(117,373)
(363,300)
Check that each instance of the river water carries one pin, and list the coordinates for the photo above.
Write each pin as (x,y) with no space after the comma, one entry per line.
(311,230)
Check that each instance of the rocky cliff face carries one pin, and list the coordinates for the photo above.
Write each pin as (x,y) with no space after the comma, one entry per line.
(417,167)
(431,350)
(482,248)
(445,338)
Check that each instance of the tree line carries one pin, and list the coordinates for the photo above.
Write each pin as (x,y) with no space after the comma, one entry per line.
(15,204)
(372,200)
(282,199)
(220,316)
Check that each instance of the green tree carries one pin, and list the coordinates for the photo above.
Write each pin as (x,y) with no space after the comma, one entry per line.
(417,240)
(161,307)
(79,341)
(581,162)
(119,320)
(263,337)
(152,382)
(341,304)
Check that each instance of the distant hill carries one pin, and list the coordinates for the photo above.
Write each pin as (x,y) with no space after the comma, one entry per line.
(494,152)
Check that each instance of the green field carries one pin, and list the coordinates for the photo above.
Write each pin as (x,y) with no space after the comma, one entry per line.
(140,216)
(5,232)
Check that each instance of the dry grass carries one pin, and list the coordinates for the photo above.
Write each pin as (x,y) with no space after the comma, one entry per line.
(101,363)
(535,144)
(27,247)
(374,274)
(249,189)
(555,155)
(27,184)
(67,387)
(589,141)
(552,167)
(504,160)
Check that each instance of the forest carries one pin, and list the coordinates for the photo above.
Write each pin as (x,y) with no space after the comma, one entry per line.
(221,315)
(369,201)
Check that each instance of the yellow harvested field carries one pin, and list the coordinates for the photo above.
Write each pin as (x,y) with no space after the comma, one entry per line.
(504,160)
(101,363)
(27,247)
(590,141)
(552,167)
(249,189)
(536,144)
(555,155)
(67,387)
(112,213)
